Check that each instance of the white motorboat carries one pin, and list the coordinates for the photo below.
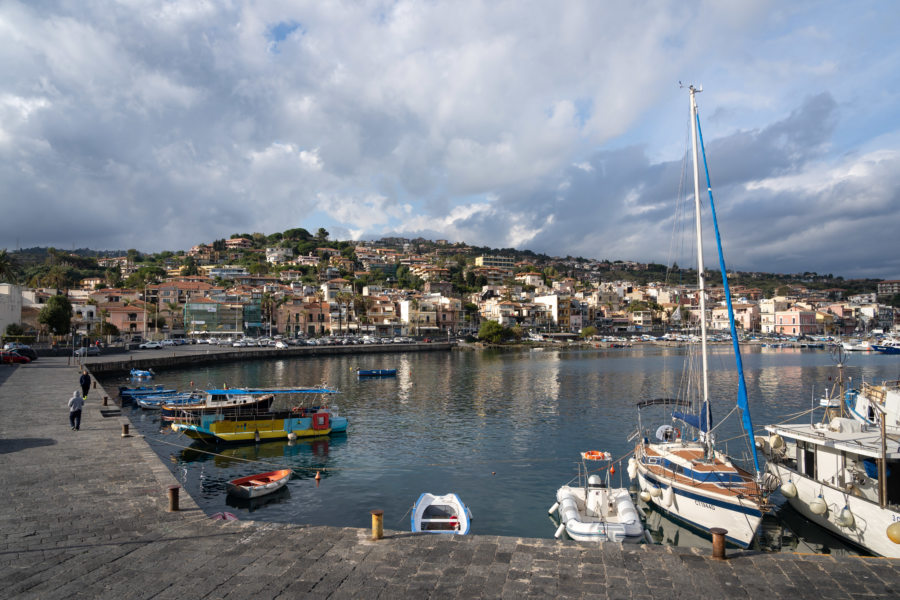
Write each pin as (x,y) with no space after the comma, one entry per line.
(440,514)
(684,475)
(843,475)
(592,511)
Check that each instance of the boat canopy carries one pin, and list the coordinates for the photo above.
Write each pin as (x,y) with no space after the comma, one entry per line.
(664,402)
(696,421)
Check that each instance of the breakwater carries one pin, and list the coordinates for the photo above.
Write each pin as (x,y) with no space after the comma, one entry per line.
(191,356)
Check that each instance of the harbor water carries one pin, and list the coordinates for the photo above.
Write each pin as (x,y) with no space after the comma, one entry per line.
(501,428)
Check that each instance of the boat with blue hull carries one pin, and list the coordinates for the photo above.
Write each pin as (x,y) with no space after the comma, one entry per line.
(683,474)
(246,415)
(131,393)
(362,373)
(157,401)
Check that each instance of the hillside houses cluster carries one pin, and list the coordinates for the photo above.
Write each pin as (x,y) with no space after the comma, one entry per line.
(225,298)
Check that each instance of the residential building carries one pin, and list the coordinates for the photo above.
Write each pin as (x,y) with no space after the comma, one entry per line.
(278,256)
(10,305)
(238,243)
(795,322)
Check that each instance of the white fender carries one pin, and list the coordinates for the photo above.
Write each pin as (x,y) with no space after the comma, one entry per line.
(668,496)
(845,518)
(817,505)
(632,468)
(645,496)
(553,508)
(788,489)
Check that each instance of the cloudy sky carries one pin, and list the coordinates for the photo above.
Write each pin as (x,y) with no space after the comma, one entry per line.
(553,126)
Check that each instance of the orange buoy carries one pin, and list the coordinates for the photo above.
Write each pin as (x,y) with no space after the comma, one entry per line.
(318,476)
(612,470)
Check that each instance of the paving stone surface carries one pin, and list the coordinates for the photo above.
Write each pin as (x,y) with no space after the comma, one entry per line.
(83,514)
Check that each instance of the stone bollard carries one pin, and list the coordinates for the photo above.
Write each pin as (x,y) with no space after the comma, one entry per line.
(718,542)
(95,384)
(124,429)
(105,400)
(173,497)
(377,524)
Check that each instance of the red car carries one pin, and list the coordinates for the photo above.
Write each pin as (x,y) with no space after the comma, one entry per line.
(11,357)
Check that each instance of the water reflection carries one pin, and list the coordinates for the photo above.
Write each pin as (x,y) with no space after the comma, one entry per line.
(503,429)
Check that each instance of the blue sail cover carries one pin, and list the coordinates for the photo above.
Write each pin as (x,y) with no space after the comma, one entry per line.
(700,421)
(742,402)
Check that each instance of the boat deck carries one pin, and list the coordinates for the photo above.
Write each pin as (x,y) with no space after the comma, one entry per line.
(692,458)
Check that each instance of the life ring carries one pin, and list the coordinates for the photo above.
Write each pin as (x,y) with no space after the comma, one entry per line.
(594,455)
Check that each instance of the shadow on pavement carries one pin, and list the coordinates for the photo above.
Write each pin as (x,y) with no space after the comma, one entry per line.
(14,445)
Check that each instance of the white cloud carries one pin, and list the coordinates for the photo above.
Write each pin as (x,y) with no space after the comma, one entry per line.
(525,123)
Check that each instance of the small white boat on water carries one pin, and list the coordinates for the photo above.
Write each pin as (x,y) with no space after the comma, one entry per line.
(592,511)
(440,514)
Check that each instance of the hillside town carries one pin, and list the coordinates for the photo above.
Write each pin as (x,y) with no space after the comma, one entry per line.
(296,285)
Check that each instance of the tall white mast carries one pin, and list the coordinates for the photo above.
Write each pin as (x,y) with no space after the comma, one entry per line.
(701,283)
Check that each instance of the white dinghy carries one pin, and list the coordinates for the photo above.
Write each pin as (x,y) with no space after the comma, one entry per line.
(592,511)
(440,514)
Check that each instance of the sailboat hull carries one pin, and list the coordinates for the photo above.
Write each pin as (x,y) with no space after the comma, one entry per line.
(703,512)
(702,495)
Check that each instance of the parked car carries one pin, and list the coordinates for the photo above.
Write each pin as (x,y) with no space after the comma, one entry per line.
(13,357)
(87,351)
(150,345)
(167,343)
(24,350)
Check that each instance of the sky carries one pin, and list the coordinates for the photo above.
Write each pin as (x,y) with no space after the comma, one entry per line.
(557,127)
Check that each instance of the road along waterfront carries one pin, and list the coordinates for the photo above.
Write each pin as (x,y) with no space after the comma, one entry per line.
(85,515)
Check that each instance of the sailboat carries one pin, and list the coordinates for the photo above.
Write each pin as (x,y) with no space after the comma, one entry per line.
(683,474)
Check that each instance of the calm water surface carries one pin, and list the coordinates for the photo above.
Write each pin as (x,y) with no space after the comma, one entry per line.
(503,429)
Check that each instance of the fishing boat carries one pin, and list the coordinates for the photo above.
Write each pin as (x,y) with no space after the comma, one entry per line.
(261,484)
(876,403)
(158,401)
(857,346)
(440,514)
(592,511)
(247,415)
(887,346)
(843,475)
(376,372)
(142,374)
(132,393)
(683,474)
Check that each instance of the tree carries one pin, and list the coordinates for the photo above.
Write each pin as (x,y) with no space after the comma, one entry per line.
(189,266)
(9,268)
(322,234)
(493,332)
(14,330)
(588,332)
(113,277)
(56,315)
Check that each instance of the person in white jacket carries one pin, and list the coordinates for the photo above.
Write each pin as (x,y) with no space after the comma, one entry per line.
(75,404)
